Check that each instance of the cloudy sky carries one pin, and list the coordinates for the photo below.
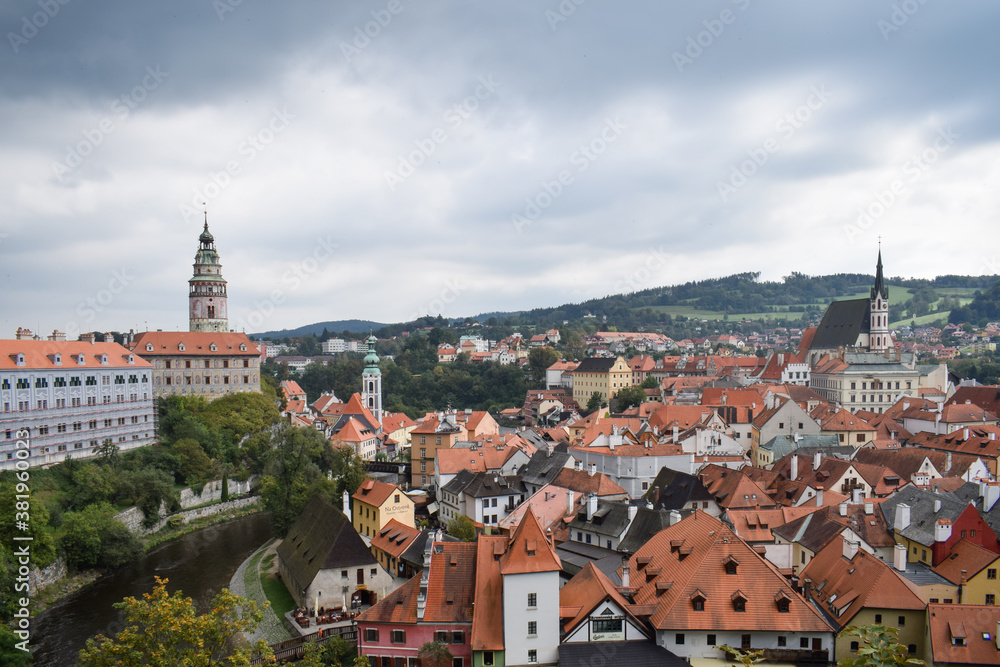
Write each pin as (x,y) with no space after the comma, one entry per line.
(392,158)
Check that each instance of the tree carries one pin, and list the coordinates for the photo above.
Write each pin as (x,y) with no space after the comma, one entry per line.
(93,537)
(539,359)
(292,475)
(163,629)
(880,647)
(746,658)
(650,382)
(462,528)
(434,654)
(196,467)
(595,403)
(10,655)
(629,397)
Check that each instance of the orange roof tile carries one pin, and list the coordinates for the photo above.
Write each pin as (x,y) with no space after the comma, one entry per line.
(584,592)
(374,492)
(487,624)
(395,538)
(584,482)
(40,354)
(978,624)
(196,343)
(529,550)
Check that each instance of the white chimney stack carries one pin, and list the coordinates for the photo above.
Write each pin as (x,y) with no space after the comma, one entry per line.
(577,464)
(819,496)
(850,549)
(593,469)
(569,501)
(942,530)
(899,557)
(591,506)
(817,459)
(675,516)
(869,508)
(937,505)
(347,505)
(843,508)
(857,495)
(795,467)
(901,519)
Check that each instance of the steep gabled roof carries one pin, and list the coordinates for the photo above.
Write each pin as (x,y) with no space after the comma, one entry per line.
(529,550)
(585,591)
(322,538)
(842,323)
(374,492)
(395,538)
(966,559)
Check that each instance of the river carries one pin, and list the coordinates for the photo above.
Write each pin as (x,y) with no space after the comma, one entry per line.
(200,564)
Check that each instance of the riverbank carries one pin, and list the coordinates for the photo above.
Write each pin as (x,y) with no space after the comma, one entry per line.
(246,582)
(53,593)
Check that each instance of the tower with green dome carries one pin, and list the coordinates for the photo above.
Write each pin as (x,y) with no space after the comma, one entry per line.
(371,382)
(207,303)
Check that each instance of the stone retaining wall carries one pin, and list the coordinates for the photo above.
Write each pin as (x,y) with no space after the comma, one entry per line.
(133,516)
(38,579)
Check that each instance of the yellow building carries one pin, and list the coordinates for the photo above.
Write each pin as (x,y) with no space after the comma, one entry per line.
(375,503)
(605,376)
(974,570)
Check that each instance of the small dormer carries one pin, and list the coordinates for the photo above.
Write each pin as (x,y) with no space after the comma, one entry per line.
(104,359)
(131,358)
(19,359)
(243,347)
(698,600)
(783,601)
(81,360)
(739,601)
(180,346)
(731,564)
(57,359)
(149,347)
(213,347)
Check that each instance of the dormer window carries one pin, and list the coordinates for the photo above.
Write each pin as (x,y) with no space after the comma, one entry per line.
(131,359)
(698,601)
(20,359)
(57,359)
(739,601)
(730,564)
(104,360)
(180,346)
(243,347)
(149,347)
(81,360)
(213,347)
(782,601)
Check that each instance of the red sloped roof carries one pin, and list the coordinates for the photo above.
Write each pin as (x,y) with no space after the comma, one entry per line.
(529,550)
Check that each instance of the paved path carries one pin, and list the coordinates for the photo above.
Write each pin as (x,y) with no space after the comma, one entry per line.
(271,629)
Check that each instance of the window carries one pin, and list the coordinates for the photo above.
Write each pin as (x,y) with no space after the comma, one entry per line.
(854,647)
(912,648)
(441,636)
(745,641)
(878,618)
(991,598)
(991,573)
(711,640)
(739,604)
(902,621)
(782,641)
(456,662)
(371,634)
(343,574)
(532,628)
(532,600)
(458,637)
(398,637)
(679,638)
(532,656)
(487,658)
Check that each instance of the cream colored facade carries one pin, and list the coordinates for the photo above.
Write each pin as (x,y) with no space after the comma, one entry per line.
(607,382)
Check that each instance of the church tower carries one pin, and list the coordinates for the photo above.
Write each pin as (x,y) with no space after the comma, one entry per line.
(878,338)
(371,382)
(207,288)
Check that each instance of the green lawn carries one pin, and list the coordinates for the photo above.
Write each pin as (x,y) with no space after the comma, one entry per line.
(277,595)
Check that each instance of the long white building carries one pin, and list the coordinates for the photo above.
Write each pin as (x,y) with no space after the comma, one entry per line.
(71,398)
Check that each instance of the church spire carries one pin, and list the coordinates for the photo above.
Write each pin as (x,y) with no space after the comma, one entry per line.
(879,288)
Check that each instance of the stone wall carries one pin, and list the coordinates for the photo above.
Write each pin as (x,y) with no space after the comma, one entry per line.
(212,492)
(133,516)
(38,579)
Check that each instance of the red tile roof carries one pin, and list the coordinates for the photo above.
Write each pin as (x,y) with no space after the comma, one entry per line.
(584,482)
(585,591)
(529,550)
(196,343)
(487,622)
(975,624)
(41,354)
(395,538)
(374,492)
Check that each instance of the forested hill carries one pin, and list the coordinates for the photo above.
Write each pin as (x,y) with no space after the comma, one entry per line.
(744,293)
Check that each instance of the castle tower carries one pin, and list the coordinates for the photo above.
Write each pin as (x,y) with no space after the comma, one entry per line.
(371,381)
(878,338)
(207,288)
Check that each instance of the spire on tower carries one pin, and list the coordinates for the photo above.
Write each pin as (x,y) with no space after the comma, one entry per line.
(879,288)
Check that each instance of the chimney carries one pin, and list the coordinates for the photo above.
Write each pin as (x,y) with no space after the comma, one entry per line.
(857,495)
(108,338)
(632,511)
(869,508)
(577,464)
(819,496)
(347,505)
(901,518)
(87,338)
(624,572)
(899,556)
(942,530)
(676,433)
(548,450)
(675,516)
(947,462)
(817,459)
(795,466)
(989,493)
(850,549)
(843,508)
(592,470)
(569,501)
(937,505)
(807,588)
(591,505)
